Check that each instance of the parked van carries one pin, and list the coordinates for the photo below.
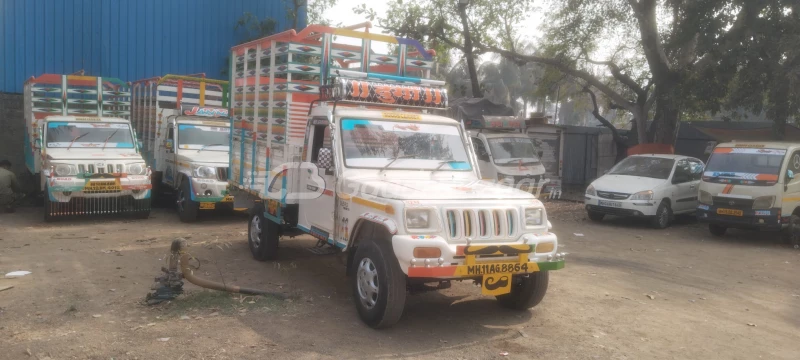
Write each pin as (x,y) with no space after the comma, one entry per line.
(752,185)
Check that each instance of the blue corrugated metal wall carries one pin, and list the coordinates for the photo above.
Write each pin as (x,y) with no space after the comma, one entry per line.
(126,39)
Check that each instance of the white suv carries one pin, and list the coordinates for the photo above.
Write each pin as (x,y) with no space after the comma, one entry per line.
(653,186)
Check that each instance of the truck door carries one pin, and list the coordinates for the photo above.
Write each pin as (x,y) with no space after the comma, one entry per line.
(167,150)
(484,162)
(318,184)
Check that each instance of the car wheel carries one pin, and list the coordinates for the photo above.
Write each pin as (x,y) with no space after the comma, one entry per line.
(793,231)
(187,208)
(717,230)
(595,216)
(663,216)
(262,236)
(379,285)
(526,292)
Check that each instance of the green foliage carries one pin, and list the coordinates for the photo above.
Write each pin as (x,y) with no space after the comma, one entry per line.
(255,28)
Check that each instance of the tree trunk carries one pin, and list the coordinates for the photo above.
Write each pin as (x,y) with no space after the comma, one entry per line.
(779,107)
(668,108)
(473,72)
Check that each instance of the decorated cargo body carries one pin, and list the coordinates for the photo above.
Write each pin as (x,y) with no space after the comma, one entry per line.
(185,131)
(80,144)
(335,140)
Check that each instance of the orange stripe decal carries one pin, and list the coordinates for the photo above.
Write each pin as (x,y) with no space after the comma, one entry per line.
(724,150)
(728,189)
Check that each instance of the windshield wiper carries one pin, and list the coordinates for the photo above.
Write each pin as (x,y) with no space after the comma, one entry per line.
(412,156)
(205,146)
(443,163)
(510,160)
(109,138)
(76,139)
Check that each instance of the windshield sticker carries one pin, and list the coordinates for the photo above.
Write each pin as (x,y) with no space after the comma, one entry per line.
(55,125)
(205,128)
(742,176)
(460,165)
(90,145)
(204,111)
(727,150)
(351,124)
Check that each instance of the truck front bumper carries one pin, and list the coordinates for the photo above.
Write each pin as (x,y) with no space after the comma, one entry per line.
(460,261)
(766,220)
(62,189)
(210,191)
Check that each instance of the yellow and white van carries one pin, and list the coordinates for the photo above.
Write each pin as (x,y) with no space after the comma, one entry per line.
(752,185)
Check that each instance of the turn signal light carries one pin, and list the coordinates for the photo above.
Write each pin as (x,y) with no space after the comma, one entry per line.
(545,247)
(427,252)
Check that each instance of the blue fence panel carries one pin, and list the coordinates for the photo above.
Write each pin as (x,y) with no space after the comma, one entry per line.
(129,40)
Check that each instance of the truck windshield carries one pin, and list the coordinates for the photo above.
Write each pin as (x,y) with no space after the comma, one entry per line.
(376,144)
(60,134)
(512,150)
(201,137)
(644,166)
(744,162)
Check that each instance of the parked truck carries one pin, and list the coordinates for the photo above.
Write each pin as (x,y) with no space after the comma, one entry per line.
(505,152)
(186,140)
(336,141)
(80,144)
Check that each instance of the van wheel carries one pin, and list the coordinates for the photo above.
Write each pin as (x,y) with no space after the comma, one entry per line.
(526,292)
(262,236)
(595,216)
(663,216)
(379,285)
(717,230)
(793,231)
(187,209)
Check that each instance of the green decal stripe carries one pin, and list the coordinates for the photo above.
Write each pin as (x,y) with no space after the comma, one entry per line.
(549,266)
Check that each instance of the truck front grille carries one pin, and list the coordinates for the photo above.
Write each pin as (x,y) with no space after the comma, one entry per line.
(481,223)
(105,169)
(222,173)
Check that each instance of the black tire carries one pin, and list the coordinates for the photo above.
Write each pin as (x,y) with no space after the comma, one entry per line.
(375,266)
(526,292)
(187,209)
(595,216)
(663,216)
(792,232)
(263,236)
(717,230)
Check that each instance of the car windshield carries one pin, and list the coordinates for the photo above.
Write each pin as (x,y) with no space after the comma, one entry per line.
(740,162)
(196,137)
(652,167)
(402,145)
(509,150)
(60,134)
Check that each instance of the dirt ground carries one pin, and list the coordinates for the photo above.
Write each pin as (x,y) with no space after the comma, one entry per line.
(627,292)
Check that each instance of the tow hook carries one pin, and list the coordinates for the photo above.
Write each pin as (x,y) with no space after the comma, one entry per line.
(169,285)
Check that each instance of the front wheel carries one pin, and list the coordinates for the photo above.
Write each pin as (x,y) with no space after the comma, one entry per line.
(663,216)
(717,230)
(526,292)
(792,232)
(262,236)
(379,285)
(187,208)
(595,216)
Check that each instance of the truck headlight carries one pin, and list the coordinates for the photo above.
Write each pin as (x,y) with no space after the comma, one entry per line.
(763,202)
(136,169)
(65,169)
(533,217)
(705,198)
(204,172)
(418,218)
(505,179)
(643,195)
(590,191)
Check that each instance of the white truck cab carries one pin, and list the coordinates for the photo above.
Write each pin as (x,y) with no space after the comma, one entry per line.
(752,185)
(375,176)
(87,158)
(510,158)
(186,136)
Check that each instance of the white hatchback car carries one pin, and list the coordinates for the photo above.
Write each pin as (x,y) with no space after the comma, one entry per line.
(653,186)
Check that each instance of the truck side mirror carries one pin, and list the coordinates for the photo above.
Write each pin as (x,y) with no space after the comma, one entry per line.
(37,144)
(325,159)
(169,144)
(540,153)
(140,144)
(790,174)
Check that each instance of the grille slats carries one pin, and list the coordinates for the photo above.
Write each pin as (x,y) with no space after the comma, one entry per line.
(480,223)
(734,203)
(108,169)
(612,195)
(222,173)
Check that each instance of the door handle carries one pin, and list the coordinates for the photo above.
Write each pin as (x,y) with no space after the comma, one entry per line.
(692,186)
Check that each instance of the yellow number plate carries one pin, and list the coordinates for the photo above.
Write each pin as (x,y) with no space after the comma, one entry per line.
(102,186)
(227,198)
(496,284)
(732,212)
(207,205)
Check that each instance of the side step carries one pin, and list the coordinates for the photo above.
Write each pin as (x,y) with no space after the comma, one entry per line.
(324,250)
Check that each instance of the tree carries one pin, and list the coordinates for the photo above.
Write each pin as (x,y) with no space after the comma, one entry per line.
(315,11)
(652,78)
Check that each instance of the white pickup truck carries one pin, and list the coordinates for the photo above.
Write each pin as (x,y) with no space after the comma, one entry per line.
(83,148)
(186,135)
(372,174)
